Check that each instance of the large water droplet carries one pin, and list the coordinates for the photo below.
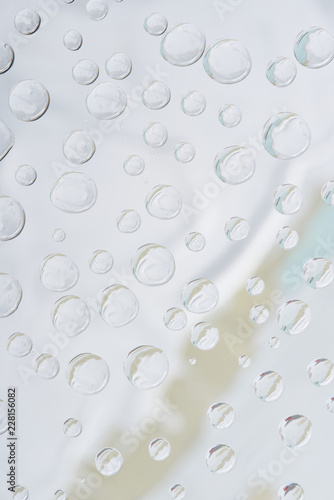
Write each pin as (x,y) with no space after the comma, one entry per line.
(293,317)
(227,61)
(128,221)
(200,296)
(118,66)
(177,492)
(183,45)
(221,415)
(286,136)
(74,192)
(175,319)
(230,115)
(156,95)
(108,461)
(153,265)
(20,493)
(295,431)
(105,101)
(163,202)
(254,285)
(159,449)
(134,165)
(292,491)
(72,40)
(155,24)
(85,72)
(193,103)
(318,273)
(281,72)
(287,199)
(236,229)
(287,238)
(118,305)
(155,135)
(25,175)
(19,345)
(97,9)
(184,152)
(320,371)
(47,366)
(259,314)
(101,261)
(72,427)
(78,147)
(70,315)
(87,373)
(268,386)
(234,165)
(220,459)
(6,56)
(314,47)
(27,21)
(28,100)
(146,367)
(204,336)
(195,242)
(6,138)
(12,218)
(59,273)
(10,295)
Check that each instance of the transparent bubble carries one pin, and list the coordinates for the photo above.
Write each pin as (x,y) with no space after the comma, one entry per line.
(295,431)
(200,296)
(244,361)
(287,199)
(72,428)
(20,493)
(234,165)
(6,56)
(156,95)
(27,21)
(134,165)
(118,66)
(329,405)
(108,461)
(19,345)
(72,40)
(220,459)
(204,336)
(146,367)
(287,238)
(28,100)
(85,72)
(175,319)
(293,317)
(177,492)
(128,221)
(286,136)
(236,229)
(87,373)
(314,47)
(70,315)
(12,218)
(6,138)
(327,193)
(292,491)
(281,72)
(221,415)
(105,101)
(101,261)
(10,295)
(3,417)
(59,235)
(184,152)
(254,285)
(227,61)
(230,115)
(155,135)
(59,273)
(155,24)
(318,273)
(25,175)
(97,9)
(159,449)
(47,366)
(268,386)
(78,147)
(183,45)
(118,305)
(195,242)
(259,314)
(193,103)
(163,202)
(153,265)
(274,342)
(74,192)
(320,372)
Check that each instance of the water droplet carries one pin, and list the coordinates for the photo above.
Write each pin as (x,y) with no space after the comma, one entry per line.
(25,175)
(58,235)
(85,72)
(59,273)
(287,238)
(292,491)
(72,40)
(221,415)
(156,95)
(20,493)
(281,72)
(19,345)
(28,100)
(74,192)
(327,193)
(70,315)
(244,361)
(286,136)
(314,47)
(6,56)
(320,371)
(329,405)
(227,61)
(12,218)
(47,366)
(134,165)
(146,367)
(155,135)
(87,373)
(159,449)
(220,459)
(184,152)
(128,221)
(195,242)
(192,361)
(163,202)
(200,296)
(27,21)
(10,295)
(118,305)
(318,273)
(60,494)
(274,342)
(293,317)
(3,417)
(287,199)
(108,461)
(230,115)
(118,66)
(78,147)
(254,285)
(177,492)
(295,431)
(183,45)
(97,9)
(175,319)
(6,139)
(153,265)
(259,314)
(234,165)
(236,229)
(193,103)
(101,261)
(268,386)
(105,101)
(72,428)
(204,336)
(155,24)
